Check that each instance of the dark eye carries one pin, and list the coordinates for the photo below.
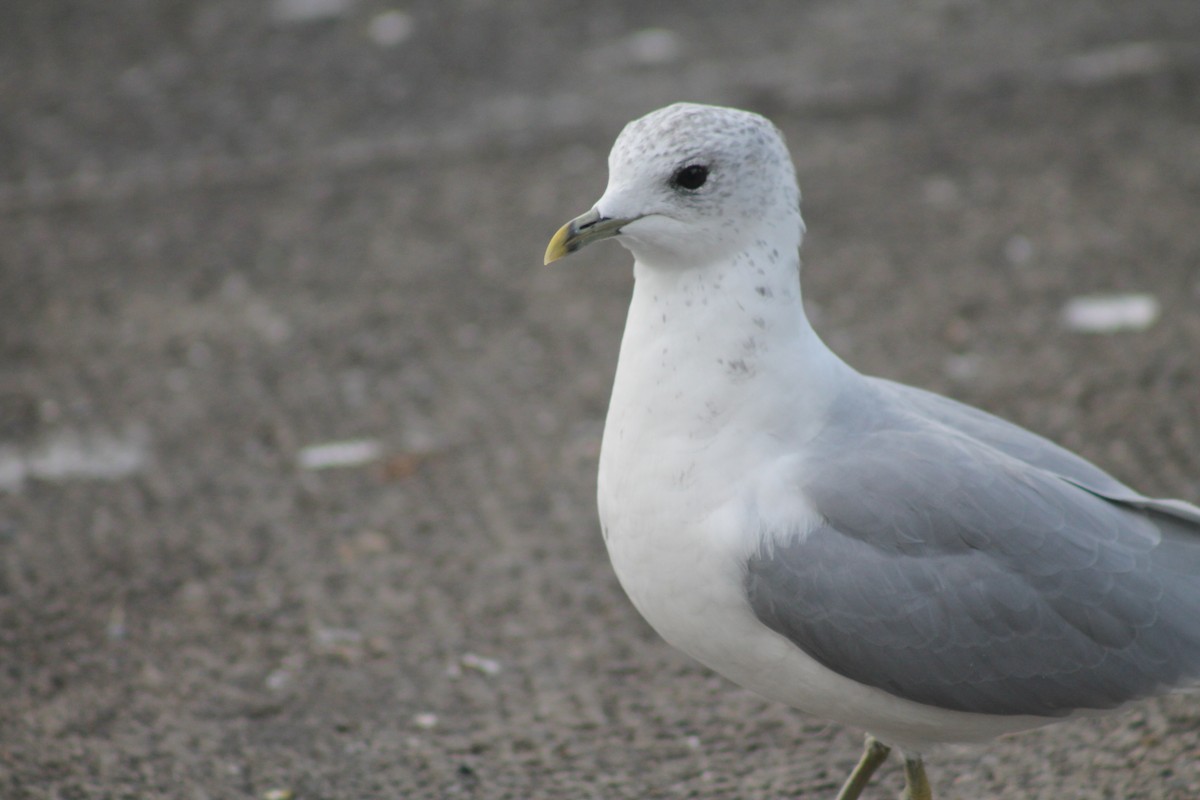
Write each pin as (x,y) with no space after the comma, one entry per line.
(691,177)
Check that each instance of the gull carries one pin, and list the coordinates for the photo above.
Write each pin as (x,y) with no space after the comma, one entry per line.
(858,549)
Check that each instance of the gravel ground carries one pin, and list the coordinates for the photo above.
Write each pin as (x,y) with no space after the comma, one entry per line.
(231,232)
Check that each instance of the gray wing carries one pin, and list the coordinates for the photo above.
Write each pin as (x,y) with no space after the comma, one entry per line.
(951,573)
(1024,445)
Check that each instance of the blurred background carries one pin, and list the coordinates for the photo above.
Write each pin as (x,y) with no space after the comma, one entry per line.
(298,438)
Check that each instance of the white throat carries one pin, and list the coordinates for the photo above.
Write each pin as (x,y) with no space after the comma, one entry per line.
(712,357)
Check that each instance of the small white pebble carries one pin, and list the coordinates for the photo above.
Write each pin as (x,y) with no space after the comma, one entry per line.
(308,10)
(487,666)
(272,326)
(116,629)
(654,47)
(391,28)
(72,454)
(963,367)
(426,720)
(278,680)
(336,637)
(1117,62)
(351,453)
(1110,313)
(939,190)
(1018,250)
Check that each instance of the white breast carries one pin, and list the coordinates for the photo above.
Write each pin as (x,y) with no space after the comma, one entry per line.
(694,447)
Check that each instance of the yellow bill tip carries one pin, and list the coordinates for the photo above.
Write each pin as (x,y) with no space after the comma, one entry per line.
(558,244)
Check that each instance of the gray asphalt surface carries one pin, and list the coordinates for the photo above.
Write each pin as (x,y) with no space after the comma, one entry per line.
(231,231)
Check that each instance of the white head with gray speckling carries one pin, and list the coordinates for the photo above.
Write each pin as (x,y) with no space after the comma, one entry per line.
(691,184)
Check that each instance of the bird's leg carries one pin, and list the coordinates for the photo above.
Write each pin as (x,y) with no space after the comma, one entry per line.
(874,753)
(916,783)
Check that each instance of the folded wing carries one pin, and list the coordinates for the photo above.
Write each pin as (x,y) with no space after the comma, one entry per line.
(967,564)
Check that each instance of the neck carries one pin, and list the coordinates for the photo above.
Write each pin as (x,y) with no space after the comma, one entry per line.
(701,343)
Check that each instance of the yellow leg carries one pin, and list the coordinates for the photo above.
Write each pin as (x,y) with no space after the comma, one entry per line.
(916,783)
(874,754)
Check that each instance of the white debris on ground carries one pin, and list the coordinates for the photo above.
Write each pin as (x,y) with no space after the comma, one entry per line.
(290,11)
(940,191)
(963,367)
(1110,313)
(1018,250)
(278,680)
(653,47)
(426,720)
(648,48)
(332,455)
(284,676)
(486,666)
(390,28)
(330,639)
(1125,60)
(70,454)
(263,320)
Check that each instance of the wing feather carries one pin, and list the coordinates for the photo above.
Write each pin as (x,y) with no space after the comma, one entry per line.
(982,573)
